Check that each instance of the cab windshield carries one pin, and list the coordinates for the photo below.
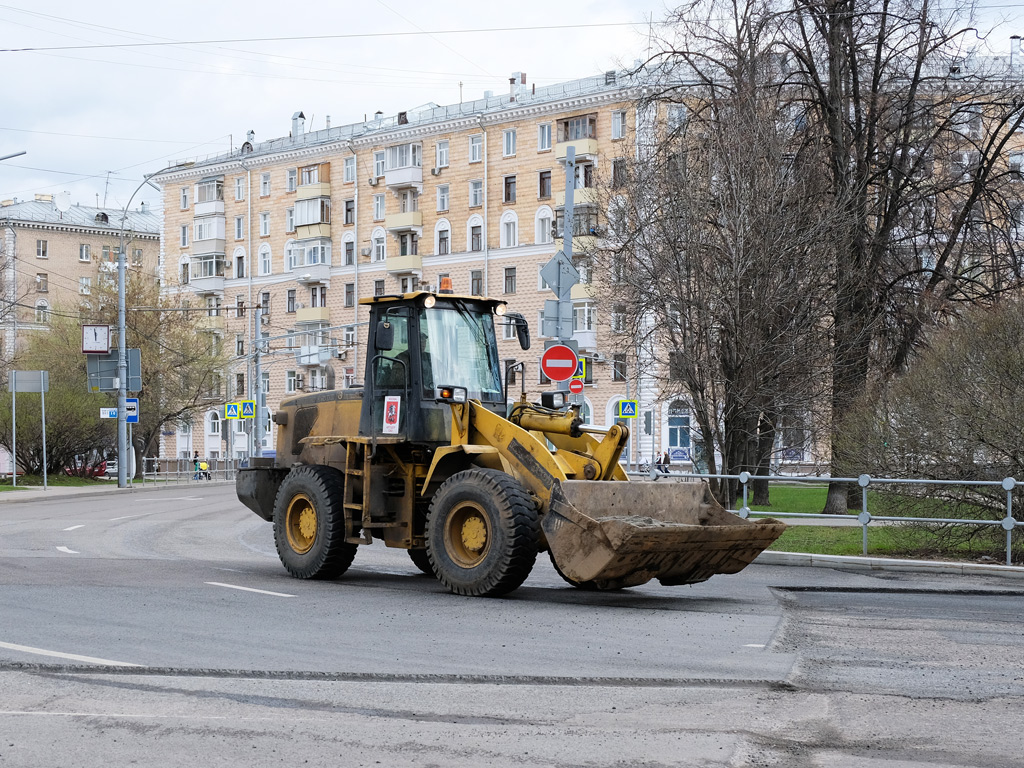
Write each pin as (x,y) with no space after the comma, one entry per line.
(460,350)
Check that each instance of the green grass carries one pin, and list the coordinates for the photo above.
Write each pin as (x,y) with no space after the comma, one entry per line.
(62,480)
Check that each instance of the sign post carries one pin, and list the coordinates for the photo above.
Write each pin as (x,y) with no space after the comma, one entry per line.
(28,381)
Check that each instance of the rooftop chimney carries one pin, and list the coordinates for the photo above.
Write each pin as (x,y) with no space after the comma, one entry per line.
(298,124)
(378,115)
(1014,52)
(250,136)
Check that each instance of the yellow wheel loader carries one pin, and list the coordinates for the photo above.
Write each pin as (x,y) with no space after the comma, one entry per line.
(424,457)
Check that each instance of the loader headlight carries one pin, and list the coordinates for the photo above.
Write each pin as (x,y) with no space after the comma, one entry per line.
(429,301)
(552,399)
(499,309)
(451,394)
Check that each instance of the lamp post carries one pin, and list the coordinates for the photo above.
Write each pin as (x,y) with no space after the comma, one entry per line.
(122,354)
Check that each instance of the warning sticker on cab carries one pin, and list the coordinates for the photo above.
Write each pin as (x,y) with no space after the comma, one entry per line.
(392,406)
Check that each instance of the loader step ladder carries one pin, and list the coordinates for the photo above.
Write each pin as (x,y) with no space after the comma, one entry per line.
(356,508)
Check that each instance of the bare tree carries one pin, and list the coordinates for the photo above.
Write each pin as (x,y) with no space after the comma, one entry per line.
(720,239)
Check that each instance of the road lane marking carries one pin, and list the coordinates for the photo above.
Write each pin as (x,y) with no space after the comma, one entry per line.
(754,645)
(69,656)
(141,514)
(247,589)
(67,551)
(74,527)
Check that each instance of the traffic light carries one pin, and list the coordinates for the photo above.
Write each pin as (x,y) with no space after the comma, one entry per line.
(648,422)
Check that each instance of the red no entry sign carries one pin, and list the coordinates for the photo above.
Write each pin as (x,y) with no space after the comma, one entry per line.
(576,386)
(558,363)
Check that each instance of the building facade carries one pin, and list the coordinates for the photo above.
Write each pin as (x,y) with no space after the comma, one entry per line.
(54,256)
(304,226)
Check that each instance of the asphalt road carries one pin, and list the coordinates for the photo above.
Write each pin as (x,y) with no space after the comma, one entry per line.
(158,628)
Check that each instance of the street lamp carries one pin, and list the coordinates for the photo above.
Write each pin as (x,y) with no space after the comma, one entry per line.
(122,353)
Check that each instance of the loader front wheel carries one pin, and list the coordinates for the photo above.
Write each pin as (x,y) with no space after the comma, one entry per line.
(421,560)
(482,533)
(309,524)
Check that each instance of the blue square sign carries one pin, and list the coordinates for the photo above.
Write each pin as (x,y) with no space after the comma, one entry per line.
(626,409)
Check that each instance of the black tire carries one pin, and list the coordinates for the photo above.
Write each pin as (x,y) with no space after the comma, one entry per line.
(421,560)
(309,524)
(482,533)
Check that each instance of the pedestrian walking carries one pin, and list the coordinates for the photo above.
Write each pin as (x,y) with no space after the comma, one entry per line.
(195,465)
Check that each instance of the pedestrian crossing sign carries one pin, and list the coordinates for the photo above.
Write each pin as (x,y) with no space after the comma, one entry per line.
(248,409)
(581,368)
(626,409)
(231,410)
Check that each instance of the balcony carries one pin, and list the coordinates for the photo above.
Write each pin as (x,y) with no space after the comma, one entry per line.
(308,191)
(209,208)
(215,323)
(312,274)
(312,315)
(584,148)
(404,264)
(207,285)
(582,290)
(410,176)
(307,231)
(587,340)
(398,222)
(315,355)
(580,243)
(581,196)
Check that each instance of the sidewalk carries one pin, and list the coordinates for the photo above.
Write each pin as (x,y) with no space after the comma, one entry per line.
(36,493)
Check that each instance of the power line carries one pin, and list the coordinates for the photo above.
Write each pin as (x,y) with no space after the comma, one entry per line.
(89,136)
(350,36)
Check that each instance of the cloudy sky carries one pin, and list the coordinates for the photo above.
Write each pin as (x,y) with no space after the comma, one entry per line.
(102,110)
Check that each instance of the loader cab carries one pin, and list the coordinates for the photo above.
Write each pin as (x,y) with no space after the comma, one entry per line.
(419,342)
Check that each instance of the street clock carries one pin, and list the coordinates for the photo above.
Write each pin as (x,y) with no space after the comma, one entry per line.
(96,338)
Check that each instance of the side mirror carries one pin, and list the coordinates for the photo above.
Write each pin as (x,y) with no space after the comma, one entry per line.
(384,338)
(522,328)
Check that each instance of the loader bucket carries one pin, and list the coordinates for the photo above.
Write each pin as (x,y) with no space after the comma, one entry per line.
(609,535)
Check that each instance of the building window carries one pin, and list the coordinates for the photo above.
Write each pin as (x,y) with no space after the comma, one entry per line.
(619,319)
(378,207)
(316,210)
(292,255)
(290,301)
(380,252)
(619,124)
(508,330)
(476,238)
(184,272)
(184,235)
(136,256)
(441,154)
(239,306)
(543,137)
(42,312)
(676,116)
(293,175)
(410,201)
(210,191)
(42,249)
(476,282)
(350,212)
(265,302)
(509,189)
(378,164)
(184,198)
(348,336)
(240,188)
(678,425)
(84,252)
(239,386)
(577,128)
(43,282)
(291,381)
(443,242)
(239,227)
(442,197)
(350,294)
(509,230)
(318,296)
(408,245)
(619,366)
(476,193)
(214,428)
(510,279)
(542,230)
(544,184)
(349,170)
(618,172)
(204,229)
(289,219)
(265,224)
(403,156)
(583,316)
(240,264)
(508,143)
(378,287)
(264,185)
(476,148)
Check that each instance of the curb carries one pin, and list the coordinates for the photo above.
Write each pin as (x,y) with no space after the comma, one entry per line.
(38,494)
(848,562)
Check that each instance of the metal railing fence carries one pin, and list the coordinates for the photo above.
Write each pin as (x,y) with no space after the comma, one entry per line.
(1008,523)
(182,470)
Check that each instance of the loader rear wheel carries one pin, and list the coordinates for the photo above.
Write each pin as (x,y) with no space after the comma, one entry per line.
(482,533)
(421,560)
(309,524)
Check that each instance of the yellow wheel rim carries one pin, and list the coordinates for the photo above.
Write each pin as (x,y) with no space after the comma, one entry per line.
(300,524)
(467,535)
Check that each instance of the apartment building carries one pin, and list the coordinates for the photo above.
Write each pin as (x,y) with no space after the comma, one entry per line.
(53,255)
(305,225)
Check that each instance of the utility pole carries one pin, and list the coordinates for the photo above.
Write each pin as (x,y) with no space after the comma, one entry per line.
(567,231)
(257,382)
